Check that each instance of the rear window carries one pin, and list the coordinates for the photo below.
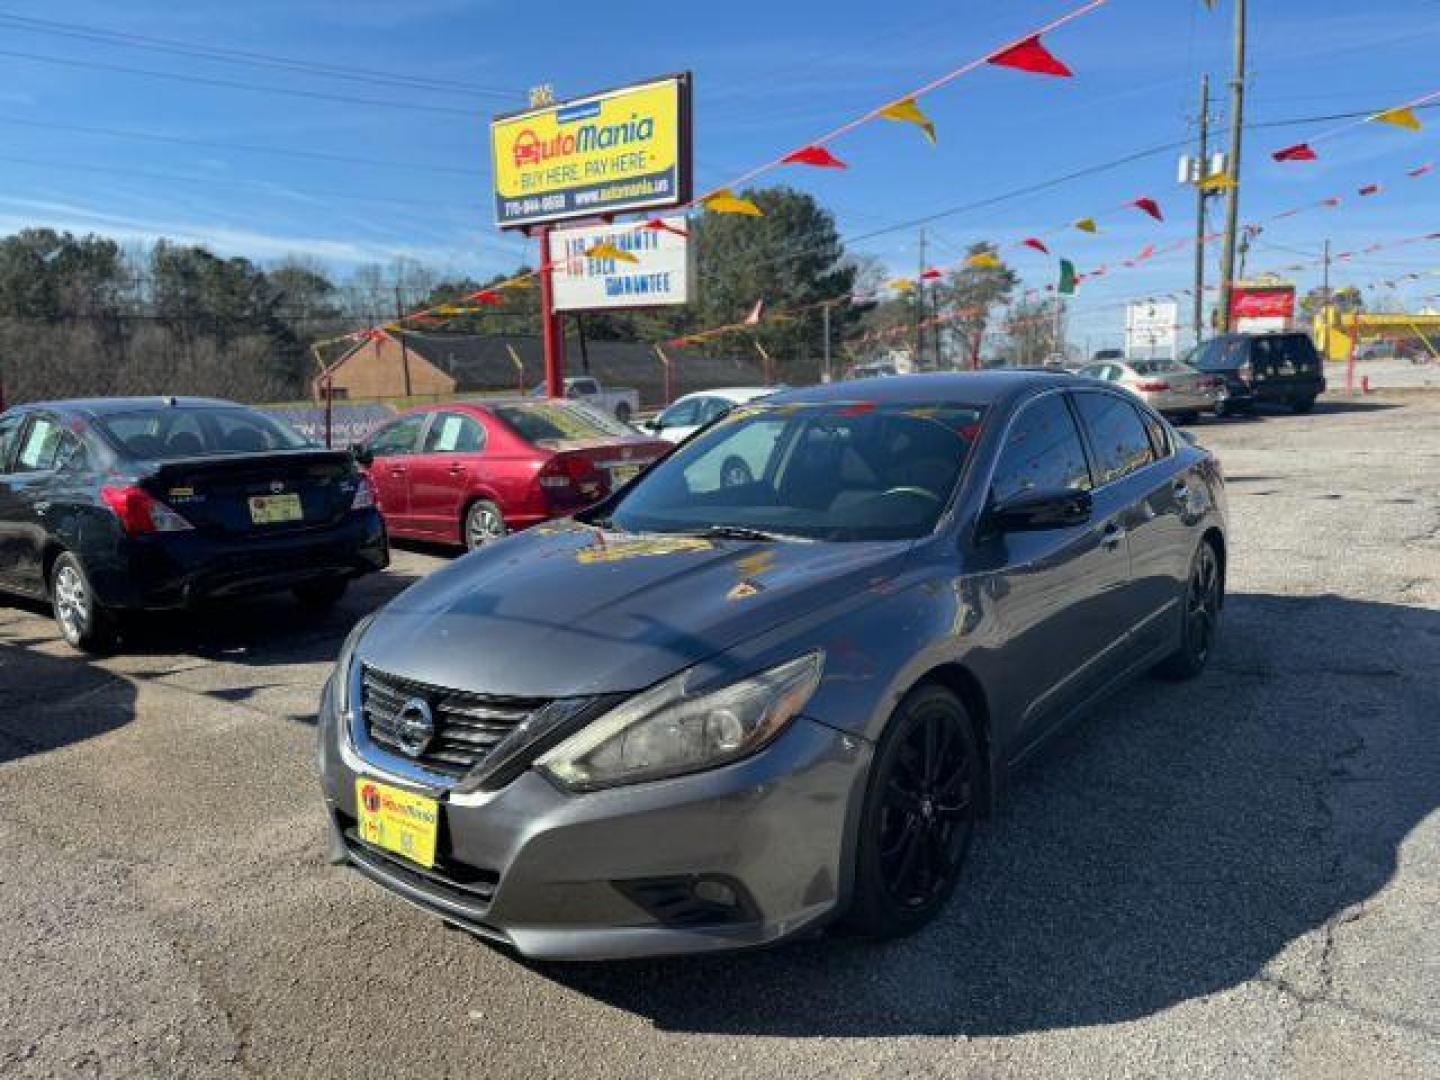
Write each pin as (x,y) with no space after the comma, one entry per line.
(1158,366)
(165,433)
(1287,354)
(556,421)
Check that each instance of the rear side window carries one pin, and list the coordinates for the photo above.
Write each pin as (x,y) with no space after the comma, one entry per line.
(1117,435)
(9,432)
(1043,452)
(451,433)
(39,446)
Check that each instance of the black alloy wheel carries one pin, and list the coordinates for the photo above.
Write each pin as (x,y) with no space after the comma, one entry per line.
(919,815)
(1203,600)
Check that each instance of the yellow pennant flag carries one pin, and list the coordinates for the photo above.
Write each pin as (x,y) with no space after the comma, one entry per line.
(1218,182)
(908,112)
(983,260)
(1086,224)
(606,250)
(516,283)
(726,201)
(901,284)
(1403,117)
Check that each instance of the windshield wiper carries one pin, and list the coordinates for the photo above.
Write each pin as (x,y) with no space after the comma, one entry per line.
(745,532)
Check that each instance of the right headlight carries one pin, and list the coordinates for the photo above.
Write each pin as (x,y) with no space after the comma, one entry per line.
(664,732)
(340,677)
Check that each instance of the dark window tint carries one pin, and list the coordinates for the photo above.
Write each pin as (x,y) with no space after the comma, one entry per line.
(1286,354)
(72,455)
(1160,437)
(9,432)
(398,438)
(39,445)
(556,421)
(1042,452)
(452,433)
(171,432)
(1117,435)
(713,409)
(681,414)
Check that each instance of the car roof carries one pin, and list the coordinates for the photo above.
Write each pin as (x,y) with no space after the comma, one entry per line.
(109,405)
(968,387)
(732,393)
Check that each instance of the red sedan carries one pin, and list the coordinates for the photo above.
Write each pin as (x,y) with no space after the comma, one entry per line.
(469,472)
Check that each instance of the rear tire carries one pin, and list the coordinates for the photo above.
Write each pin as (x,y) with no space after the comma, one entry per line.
(1301,406)
(919,815)
(484,524)
(1200,614)
(321,595)
(83,621)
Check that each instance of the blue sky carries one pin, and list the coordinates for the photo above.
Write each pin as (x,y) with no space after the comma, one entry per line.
(251,172)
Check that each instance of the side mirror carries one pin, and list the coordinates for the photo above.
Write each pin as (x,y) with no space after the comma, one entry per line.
(361,453)
(1032,511)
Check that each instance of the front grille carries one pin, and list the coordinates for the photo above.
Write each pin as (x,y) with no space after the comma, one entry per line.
(468,726)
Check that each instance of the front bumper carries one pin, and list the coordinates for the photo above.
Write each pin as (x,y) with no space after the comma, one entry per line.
(614,873)
(164,571)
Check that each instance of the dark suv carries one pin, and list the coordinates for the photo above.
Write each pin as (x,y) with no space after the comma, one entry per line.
(1276,369)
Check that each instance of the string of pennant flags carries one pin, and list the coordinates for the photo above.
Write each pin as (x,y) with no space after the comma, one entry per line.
(1400,116)
(1027,53)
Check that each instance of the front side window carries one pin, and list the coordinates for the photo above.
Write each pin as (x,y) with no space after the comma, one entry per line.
(681,414)
(1117,435)
(398,438)
(1042,452)
(843,471)
(452,433)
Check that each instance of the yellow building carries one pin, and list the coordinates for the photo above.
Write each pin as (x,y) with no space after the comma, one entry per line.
(1334,331)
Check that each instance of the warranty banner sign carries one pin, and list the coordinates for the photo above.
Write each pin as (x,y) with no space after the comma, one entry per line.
(626,149)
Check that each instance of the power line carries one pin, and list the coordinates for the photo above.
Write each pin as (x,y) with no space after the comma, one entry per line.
(231,84)
(245,57)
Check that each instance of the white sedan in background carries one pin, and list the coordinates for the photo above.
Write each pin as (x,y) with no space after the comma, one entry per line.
(693,411)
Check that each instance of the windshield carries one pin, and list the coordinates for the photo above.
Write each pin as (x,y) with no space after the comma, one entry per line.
(544,422)
(831,471)
(164,433)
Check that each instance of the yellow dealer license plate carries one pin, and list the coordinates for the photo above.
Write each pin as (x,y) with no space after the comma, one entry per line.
(274,509)
(398,821)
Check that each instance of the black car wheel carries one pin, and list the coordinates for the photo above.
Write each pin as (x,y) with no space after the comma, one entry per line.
(1204,596)
(321,595)
(919,815)
(483,524)
(83,622)
(1302,405)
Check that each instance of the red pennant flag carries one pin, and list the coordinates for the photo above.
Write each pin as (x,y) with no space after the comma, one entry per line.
(1422,170)
(818,156)
(1150,206)
(1030,55)
(487,296)
(1371,189)
(1036,243)
(660,225)
(1145,253)
(931,274)
(1298,152)
(1334,200)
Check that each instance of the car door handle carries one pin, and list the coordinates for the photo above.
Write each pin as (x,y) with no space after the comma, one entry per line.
(1111,536)
(456,469)
(397,470)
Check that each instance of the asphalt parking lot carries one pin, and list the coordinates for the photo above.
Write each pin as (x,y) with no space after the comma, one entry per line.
(1238,877)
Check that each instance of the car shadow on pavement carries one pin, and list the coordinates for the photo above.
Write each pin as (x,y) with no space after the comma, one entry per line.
(48,701)
(1170,847)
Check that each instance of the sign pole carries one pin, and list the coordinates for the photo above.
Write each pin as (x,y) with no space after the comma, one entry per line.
(552,334)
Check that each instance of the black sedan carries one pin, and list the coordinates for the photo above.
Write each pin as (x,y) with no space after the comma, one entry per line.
(116,505)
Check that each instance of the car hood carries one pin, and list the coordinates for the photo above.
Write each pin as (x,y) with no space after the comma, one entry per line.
(566,610)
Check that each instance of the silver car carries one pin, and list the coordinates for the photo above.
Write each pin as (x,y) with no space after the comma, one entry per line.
(712,713)
(1166,385)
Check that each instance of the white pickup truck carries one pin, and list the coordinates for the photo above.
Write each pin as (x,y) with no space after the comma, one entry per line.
(621,404)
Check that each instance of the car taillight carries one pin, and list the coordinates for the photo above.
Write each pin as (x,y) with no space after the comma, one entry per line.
(1245,371)
(140,512)
(573,473)
(1152,386)
(364,495)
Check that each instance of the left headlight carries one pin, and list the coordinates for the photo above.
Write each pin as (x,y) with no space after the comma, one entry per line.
(664,732)
(340,678)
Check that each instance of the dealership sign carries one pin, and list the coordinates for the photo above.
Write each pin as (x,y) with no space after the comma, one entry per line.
(659,275)
(1151,325)
(1257,308)
(626,149)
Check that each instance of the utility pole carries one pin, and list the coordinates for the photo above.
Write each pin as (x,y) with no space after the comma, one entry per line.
(400,336)
(825,351)
(1201,167)
(1232,205)
(1325,302)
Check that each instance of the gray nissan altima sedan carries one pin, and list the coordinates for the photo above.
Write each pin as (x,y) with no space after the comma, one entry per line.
(775,680)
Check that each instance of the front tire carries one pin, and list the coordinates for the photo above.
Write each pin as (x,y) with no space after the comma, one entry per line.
(1204,597)
(1301,406)
(919,815)
(83,621)
(484,525)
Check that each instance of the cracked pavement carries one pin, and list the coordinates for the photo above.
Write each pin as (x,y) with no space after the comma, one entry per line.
(1238,876)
